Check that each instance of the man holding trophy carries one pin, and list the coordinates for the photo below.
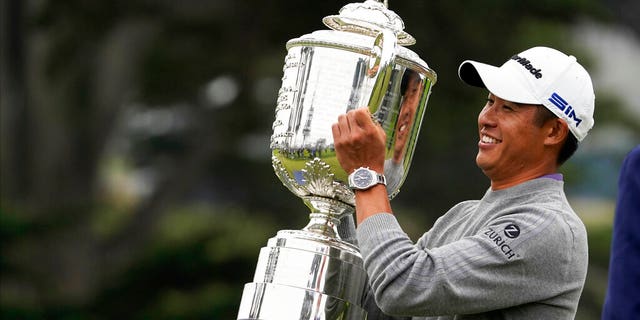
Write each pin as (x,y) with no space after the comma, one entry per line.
(520,252)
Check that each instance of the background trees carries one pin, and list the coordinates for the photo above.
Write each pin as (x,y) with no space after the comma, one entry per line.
(135,169)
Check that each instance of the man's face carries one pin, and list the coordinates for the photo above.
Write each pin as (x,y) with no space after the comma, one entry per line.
(408,108)
(510,145)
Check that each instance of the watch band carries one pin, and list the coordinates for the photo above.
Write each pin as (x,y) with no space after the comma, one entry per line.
(381,179)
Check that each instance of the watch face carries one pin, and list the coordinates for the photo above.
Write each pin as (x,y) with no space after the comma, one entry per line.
(362,178)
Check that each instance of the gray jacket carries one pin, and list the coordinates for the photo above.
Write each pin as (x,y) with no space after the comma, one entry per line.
(518,253)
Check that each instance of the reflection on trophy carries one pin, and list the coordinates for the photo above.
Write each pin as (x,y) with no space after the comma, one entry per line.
(313,273)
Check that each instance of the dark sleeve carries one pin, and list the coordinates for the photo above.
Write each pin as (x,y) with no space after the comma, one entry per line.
(622,300)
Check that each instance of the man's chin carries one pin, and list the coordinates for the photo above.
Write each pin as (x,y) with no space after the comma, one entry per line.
(482,162)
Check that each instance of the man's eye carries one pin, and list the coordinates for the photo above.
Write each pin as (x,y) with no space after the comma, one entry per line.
(489,101)
(508,108)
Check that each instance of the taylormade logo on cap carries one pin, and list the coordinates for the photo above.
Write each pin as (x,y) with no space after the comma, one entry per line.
(540,75)
(527,65)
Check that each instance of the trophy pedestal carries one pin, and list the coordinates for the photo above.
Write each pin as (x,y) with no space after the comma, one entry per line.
(303,275)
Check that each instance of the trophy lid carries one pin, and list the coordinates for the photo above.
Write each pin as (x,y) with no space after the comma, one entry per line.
(369,18)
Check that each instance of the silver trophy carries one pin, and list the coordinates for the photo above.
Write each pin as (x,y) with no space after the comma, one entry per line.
(313,273)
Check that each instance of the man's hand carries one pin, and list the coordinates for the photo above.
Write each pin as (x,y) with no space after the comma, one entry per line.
(359,141)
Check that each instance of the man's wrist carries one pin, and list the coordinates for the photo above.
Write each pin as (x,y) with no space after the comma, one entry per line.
(371,201)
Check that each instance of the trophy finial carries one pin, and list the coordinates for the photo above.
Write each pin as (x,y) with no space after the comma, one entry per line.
(385,2)
(369,18)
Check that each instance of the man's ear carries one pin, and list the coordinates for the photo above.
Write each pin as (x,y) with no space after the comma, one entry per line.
(557,131)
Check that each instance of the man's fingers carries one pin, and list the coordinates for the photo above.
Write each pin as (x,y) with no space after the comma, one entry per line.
(343,123)
(360,117)
(353,122)
(335,129)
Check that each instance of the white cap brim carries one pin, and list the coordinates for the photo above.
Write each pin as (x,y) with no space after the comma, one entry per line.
(499,81)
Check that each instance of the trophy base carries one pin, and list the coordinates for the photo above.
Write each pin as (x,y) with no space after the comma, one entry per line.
(303,275)
(274,301)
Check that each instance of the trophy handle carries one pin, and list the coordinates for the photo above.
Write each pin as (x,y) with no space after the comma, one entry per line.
(381,66)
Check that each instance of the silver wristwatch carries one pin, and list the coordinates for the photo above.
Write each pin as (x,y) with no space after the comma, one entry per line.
(365,178)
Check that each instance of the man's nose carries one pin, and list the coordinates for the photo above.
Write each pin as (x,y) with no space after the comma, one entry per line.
(487,116)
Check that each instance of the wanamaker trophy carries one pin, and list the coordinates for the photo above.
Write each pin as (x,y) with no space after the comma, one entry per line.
(314,273)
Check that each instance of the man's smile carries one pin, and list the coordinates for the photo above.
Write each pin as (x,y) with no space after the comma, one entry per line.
(488,139)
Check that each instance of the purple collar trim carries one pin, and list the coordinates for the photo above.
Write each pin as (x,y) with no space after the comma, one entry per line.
(554,176)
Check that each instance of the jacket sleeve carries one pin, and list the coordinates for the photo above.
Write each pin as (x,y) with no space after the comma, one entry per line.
(479,273)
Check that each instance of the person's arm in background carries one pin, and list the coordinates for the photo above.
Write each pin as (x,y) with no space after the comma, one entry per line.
(622,300)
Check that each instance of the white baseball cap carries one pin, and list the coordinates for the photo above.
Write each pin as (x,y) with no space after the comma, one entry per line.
(540,75)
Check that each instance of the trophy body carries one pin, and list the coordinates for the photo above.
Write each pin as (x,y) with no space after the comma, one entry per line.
(313,273)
